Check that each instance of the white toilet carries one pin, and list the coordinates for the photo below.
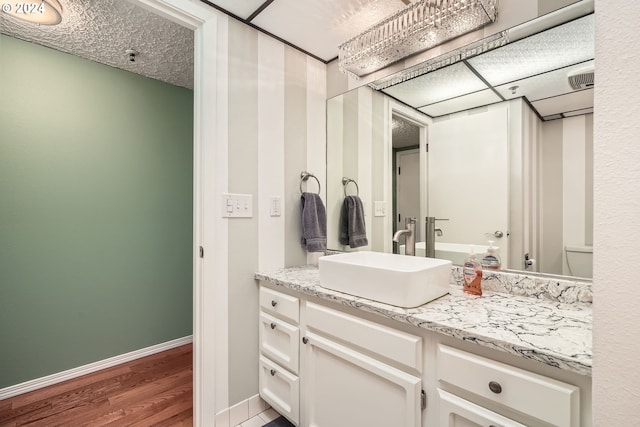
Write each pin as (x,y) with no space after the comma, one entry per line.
(580,260)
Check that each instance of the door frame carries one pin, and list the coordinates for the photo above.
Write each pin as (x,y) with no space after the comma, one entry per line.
(209,176)
(423,121)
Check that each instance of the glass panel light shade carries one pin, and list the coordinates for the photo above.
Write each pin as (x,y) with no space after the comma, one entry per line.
(420,26)
(43,12)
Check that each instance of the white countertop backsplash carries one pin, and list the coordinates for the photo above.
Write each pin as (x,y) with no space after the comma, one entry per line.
(537,318)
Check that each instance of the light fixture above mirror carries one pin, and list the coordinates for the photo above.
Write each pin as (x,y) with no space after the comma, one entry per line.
(418,27)
(44,12)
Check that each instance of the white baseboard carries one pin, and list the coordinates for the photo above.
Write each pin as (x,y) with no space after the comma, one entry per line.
(59,377)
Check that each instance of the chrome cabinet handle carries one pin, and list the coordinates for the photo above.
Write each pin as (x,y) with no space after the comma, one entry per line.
(495,387)
(274,303)
(273,325)
(273,372)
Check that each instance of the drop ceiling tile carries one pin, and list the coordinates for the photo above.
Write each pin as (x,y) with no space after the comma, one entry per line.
(461,103)
(320,26)
(445,83)
(564,103)
(543,85)
(242,9)
(558,47)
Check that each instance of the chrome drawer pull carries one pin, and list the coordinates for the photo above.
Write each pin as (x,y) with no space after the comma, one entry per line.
(273,372)
(495,387)
(274,303)
(273,325)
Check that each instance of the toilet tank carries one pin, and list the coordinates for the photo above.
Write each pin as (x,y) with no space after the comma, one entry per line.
(580,260)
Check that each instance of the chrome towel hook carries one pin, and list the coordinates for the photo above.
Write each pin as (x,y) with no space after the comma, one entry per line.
(304,175)
(345,182)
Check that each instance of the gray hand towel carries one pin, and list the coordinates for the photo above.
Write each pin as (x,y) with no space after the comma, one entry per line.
(353,231)
(314,223)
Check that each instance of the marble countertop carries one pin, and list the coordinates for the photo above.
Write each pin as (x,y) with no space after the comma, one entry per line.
(550,332)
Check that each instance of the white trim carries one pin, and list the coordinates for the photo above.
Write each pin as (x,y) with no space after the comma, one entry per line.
(59,377)
(216,178)
(209,279)
(423,122)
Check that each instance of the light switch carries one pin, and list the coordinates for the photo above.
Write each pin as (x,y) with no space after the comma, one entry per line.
(380,208)
(237,205)
(274,206)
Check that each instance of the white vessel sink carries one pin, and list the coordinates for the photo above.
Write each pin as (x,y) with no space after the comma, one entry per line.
(400,280)
(457,253)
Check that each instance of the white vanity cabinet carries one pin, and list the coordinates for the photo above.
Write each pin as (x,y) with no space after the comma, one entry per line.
(358,373)
(330,365)
(279,334)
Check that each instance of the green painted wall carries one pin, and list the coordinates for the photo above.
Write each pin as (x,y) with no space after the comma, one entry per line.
(95,211)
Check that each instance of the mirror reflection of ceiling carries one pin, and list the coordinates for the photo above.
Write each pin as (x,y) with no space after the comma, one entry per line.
(404,133)
(535,68)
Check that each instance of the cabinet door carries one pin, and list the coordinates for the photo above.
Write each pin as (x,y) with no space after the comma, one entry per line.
(344,388)
(457,412)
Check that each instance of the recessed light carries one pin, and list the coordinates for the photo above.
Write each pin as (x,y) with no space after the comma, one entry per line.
(43,12)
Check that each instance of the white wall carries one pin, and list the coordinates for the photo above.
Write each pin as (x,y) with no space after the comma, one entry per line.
(271,113)
(616,379)
(356,131)
(566,190)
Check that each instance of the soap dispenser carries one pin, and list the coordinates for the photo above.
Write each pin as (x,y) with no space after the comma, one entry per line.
(491,259)
(472,274)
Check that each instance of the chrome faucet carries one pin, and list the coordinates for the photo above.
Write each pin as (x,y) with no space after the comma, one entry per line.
(410,236)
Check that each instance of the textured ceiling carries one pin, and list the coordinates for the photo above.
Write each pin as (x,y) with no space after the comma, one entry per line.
(102,30)
(404,133)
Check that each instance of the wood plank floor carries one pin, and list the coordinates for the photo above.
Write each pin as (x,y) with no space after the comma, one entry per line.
(156,391)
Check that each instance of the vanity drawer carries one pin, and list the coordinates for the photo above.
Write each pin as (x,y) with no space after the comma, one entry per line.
(544,398)
(454,411)
(392,344)
(280,389)
(279,341)
(280,305)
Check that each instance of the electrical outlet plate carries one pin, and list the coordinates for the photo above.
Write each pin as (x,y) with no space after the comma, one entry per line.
(237,205)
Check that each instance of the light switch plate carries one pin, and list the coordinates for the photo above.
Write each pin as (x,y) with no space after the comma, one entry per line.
(237,205)
(380,208)
(275,206)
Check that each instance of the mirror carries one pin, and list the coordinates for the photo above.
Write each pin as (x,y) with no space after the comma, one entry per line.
(497,147)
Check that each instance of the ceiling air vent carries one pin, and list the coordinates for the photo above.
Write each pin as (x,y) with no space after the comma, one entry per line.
(581,79)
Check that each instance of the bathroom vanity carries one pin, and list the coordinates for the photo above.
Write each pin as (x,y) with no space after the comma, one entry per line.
(518,355)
